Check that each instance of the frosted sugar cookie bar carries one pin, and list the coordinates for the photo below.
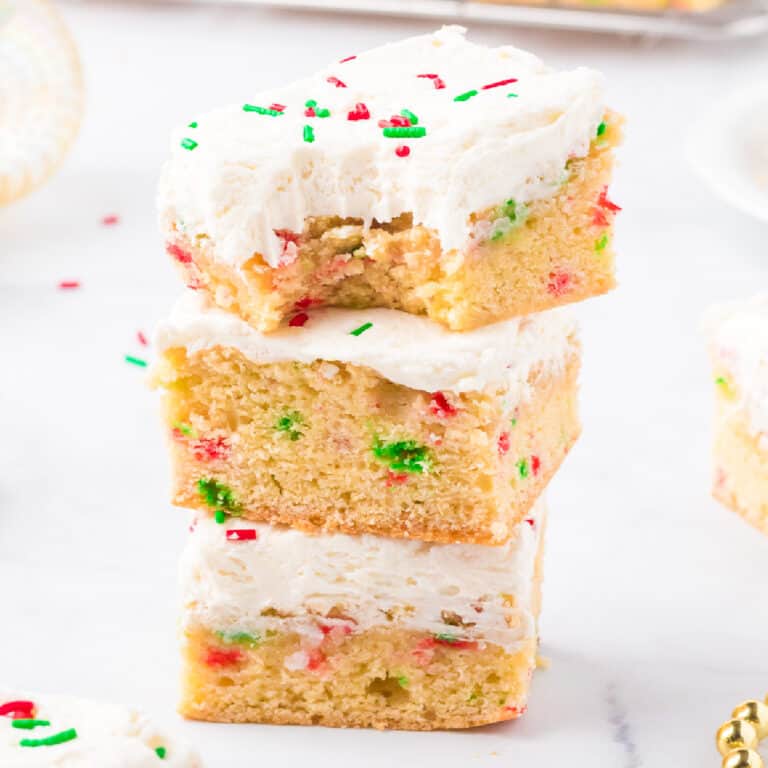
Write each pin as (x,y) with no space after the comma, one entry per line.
(368,421)
(281,626)
(434,176)
(738,342)
(39,731)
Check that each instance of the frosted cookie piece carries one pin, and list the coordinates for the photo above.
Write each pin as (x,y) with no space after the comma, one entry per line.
(434,176)
(738,344)
(371,421)
(284,627)
(42,731)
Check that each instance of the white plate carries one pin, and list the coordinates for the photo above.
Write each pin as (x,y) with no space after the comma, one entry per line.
(728,149)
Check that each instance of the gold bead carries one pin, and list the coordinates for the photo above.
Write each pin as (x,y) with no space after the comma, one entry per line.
(736,734)
(756,713)
(742,758)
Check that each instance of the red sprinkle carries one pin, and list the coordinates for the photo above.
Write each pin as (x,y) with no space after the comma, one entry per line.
(178,253)
(327,629)
(315,660)
(559,283)
(277,107)
(297,321)
(499,83)
(110,220)
(307,302)
(211,448)
(402,150)
(439,406)
(530,522)
(516,711)
(349,58)
(335,81)
(67,284)
(598,218)
(604,202)
(503,444)
(535,465)
(396,121)
(309,112)
(142,339)
(360,112)
(18,709)
(287,236)
(242,534)
(462,644)
(393,478)
(221,657)
(436,80)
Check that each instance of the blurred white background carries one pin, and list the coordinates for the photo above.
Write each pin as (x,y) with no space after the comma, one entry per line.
(655,613)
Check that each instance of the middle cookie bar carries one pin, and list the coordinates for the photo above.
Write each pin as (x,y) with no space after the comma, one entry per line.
(371,421)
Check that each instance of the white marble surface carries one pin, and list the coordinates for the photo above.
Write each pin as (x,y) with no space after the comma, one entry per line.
(655,615)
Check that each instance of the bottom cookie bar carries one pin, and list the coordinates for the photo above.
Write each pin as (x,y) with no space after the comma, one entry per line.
(357,631)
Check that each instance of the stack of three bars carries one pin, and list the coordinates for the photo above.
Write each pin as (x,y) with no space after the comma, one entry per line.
(363,410)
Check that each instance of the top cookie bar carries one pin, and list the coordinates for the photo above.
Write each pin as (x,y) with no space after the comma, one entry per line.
(434,176)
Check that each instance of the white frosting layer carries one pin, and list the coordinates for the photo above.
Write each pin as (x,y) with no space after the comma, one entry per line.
(738,338)
(251,174)
(406,349)
(108,736)
(226,585)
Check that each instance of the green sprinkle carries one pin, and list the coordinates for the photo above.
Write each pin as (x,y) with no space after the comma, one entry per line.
(497,235)
(721,381)
(310,103)
(402,681)
(217,495)
(220,516)
(185,429)
(446,638)
(193,124)
(522,468)
(50,741)
(403,455)
(401,132)
(241,638)
(136,361)
(513,422)
(362,329)
(601,243)
(323,112)
(601,129)
(261,110)
(466,96)
(511,95)
(309,134)
(28,724)
(510,210)
(287,423)
(160,752)
(407,113)
(189,144)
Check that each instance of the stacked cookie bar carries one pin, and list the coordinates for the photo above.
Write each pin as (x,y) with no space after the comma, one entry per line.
(371,382)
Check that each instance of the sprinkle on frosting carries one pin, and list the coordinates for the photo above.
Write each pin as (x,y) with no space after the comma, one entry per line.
(19,708)
(402,150)
(50,741)
(298,320)
(262,110)
(161,752)
(188,144)
(349,58)
(28,724)
(242,534)
(142,339)
(335,81)
(110,220)
(601,129)
(466,96)
(309,134)
(412,119)
(359,112)
(402,132)
(69,284)
(361,329)
(138,361)
(437,81)
(499,83)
